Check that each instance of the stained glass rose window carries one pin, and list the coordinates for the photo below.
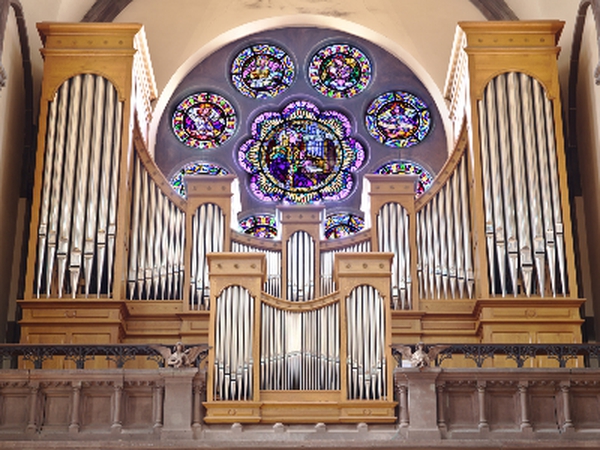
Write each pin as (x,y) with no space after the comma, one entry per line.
(204,120)
(339,71)
(301,155)
(398,119)
(262,71)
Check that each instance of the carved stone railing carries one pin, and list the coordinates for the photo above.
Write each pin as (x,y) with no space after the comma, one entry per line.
(521,355)
(118,354)
(523,405)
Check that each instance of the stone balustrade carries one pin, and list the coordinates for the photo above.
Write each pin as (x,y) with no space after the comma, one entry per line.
(160,408)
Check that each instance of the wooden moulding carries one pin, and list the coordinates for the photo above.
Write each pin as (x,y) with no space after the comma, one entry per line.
(300,407)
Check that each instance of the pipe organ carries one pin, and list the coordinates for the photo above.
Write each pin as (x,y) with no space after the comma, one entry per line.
(300,327)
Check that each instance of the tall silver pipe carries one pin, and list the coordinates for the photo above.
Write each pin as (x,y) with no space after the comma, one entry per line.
(450,194)
(105,175)
(68,181)
(508,185)
(57,180)
(533,183)
(544,176)
(466,230)
(497,189)
(48,180)
(555,189)
(92,224)
(114,192)
(520,178)
(487,185)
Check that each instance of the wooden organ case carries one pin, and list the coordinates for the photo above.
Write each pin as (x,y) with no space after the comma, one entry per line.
(300,328)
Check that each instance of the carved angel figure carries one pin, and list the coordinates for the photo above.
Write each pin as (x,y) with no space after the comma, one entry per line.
(180,356)
(420,358)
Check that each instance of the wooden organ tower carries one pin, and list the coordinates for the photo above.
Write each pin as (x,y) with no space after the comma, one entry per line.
(300,328)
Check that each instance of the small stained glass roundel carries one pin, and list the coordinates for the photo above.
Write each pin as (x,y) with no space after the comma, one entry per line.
(204,120)
(260,225)
(262,71)
(194,168)
(339,71)
(408,168)
(398,119)
(301,155)
(340,225)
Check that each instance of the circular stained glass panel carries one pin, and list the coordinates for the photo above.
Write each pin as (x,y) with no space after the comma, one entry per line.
(301,155)
(195,168)
(340,225)
(339,71)
(260,225)
(408,168)
(398,119)
(262,71)
(204,120)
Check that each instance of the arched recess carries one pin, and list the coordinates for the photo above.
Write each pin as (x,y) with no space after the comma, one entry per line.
(581,144)
(296,21)
(16,230)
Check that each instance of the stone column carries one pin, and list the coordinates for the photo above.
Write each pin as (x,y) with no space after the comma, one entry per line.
(483,423)
(116,412)
(32,424)
(523,400)
(566,399)
(440,407)
(76,404)
(199,390)
(422,403)
(177,412)
(157,403)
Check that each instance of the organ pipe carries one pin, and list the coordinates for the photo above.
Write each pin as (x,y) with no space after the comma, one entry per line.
(83,131)
(366,363)
(445,265)
(517,104)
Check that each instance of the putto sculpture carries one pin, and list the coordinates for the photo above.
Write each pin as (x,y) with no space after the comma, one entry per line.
(179,356)
(420,358)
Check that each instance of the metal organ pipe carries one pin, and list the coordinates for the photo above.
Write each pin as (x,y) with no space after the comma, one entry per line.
(327,263)
(273,283)
(156,240)
(524,189)
(444,241)
(300,268)
(233,365)
(300,350)
(83,130)
(207,237)
(366,363)
(392,223)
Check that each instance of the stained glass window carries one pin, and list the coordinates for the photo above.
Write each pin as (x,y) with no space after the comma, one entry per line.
(204,120)
(262,71)
(195,168)
(339,71)
(301,155)
(398,119)
(341,225)
(260,225)
(408,168)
